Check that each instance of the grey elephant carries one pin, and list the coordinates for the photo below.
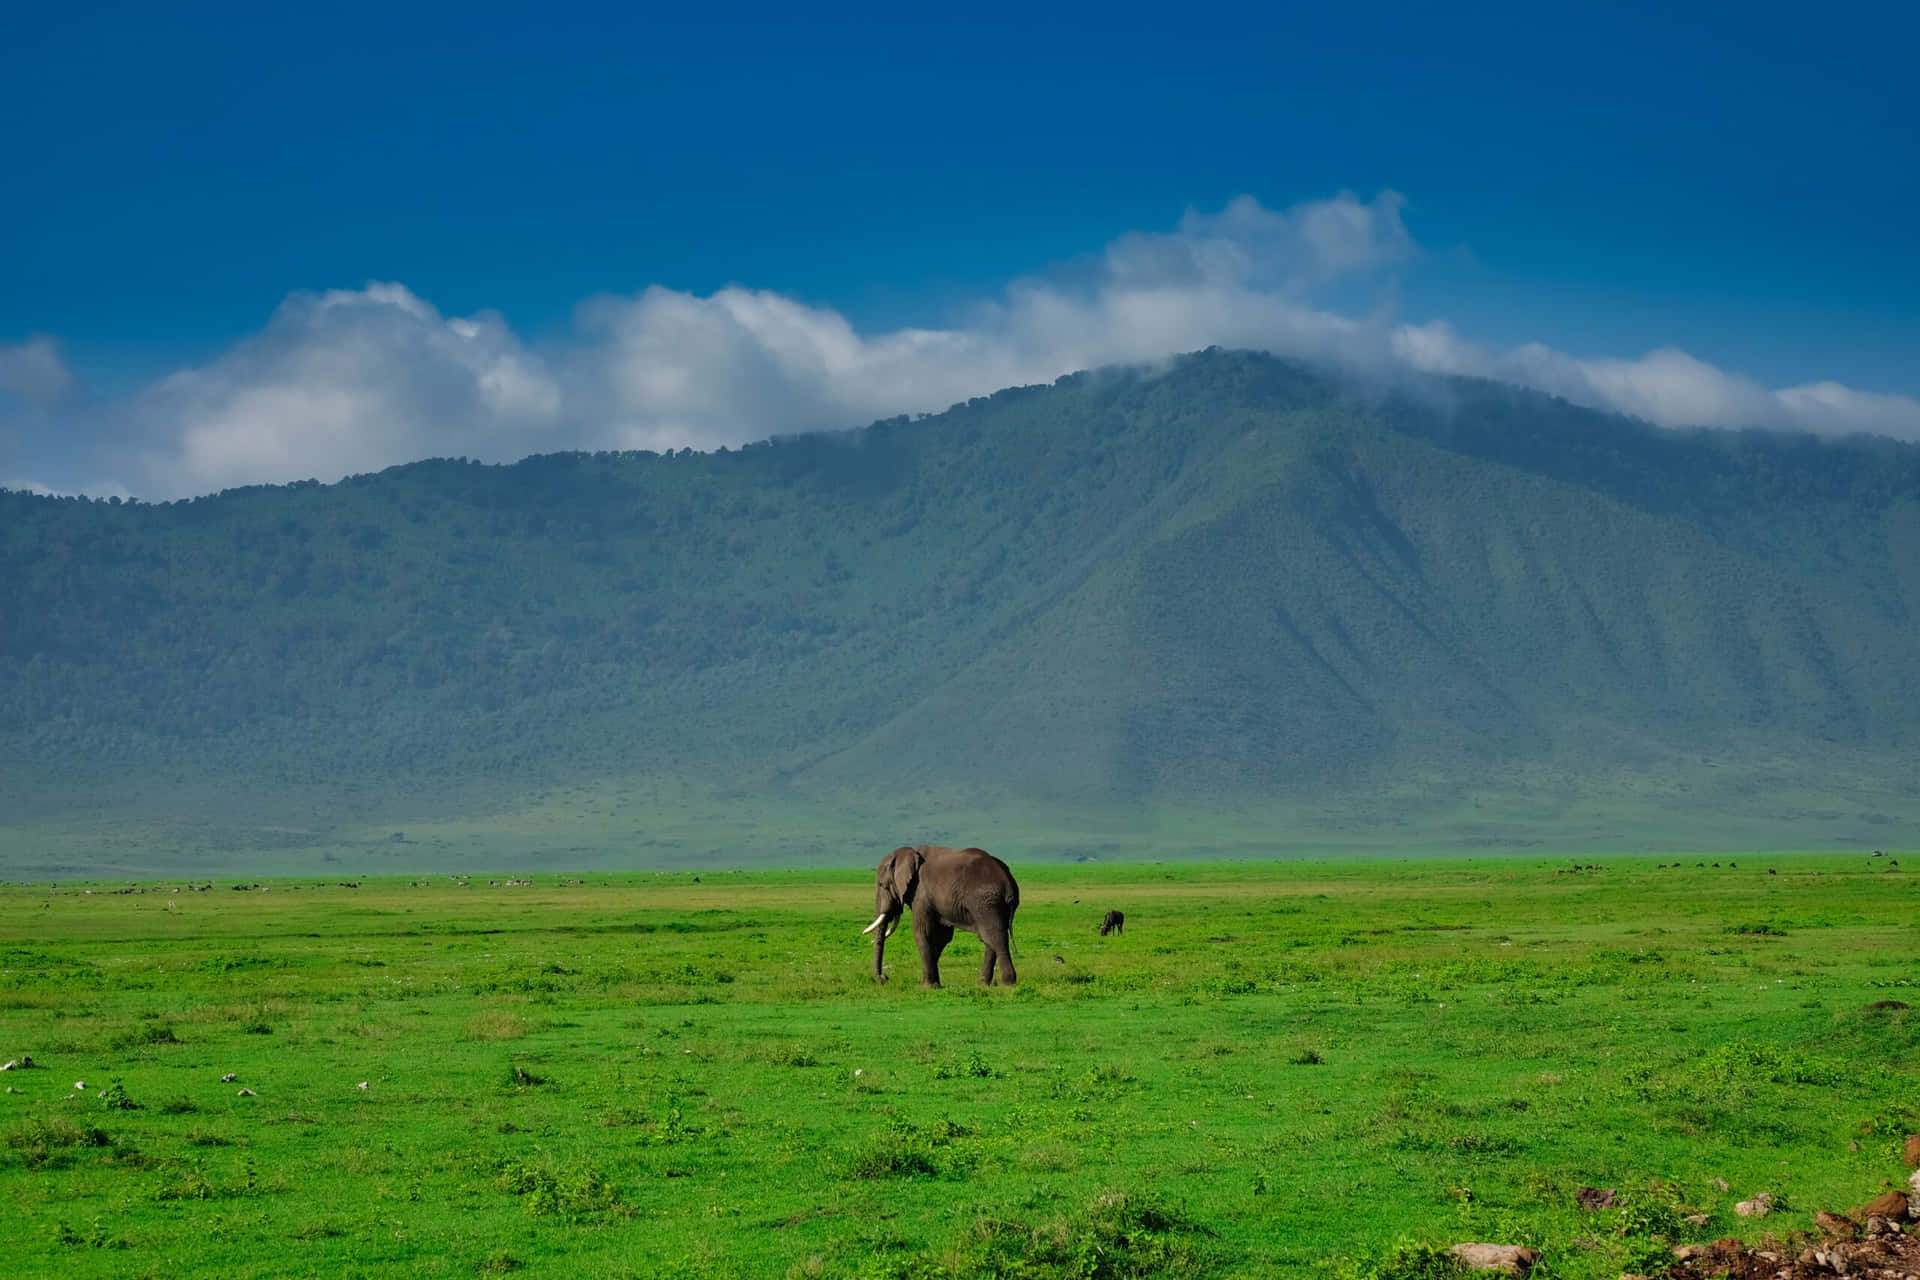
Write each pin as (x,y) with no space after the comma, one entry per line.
(946,889)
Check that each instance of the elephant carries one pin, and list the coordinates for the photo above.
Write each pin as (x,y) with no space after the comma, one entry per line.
(1116,922)
(946,889)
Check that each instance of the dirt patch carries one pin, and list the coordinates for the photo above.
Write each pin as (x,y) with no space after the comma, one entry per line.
(1592,1198)
(1881,1240)
(1893,1255)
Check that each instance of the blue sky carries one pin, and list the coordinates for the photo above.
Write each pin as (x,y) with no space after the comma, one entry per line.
(198,197)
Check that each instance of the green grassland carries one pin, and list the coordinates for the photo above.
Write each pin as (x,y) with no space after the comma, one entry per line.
(1294,1068)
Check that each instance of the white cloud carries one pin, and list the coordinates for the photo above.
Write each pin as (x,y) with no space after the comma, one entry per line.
(355,380)
(1665,386)
(668,369)
(1830,408)
(34,371)
(346,381)
(1247,245)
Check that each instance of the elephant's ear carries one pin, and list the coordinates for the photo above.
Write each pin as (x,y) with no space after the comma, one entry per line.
(903,869)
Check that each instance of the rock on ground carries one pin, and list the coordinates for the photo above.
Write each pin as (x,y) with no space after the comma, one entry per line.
(1504,1259)
(1891,1205)
(1836,1226)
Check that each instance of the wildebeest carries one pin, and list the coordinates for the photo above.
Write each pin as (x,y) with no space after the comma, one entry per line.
(1115,922)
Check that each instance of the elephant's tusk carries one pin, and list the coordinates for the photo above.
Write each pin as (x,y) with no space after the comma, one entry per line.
(891,926)
(877,920)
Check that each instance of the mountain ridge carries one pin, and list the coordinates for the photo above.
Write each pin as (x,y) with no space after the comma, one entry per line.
(1234,586)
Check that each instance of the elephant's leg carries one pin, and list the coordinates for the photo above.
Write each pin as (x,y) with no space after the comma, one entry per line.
(942,935)
(932,938)
(993,937)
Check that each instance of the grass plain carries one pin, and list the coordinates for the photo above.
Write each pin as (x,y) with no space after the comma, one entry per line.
(1279,1069)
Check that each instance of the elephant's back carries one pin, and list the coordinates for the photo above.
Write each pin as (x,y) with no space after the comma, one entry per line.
(1013,886)
(1010,889)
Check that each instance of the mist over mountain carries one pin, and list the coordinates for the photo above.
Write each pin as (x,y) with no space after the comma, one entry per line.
(1234,603)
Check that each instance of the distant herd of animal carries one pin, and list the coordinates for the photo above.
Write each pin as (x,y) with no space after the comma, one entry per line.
(949,889)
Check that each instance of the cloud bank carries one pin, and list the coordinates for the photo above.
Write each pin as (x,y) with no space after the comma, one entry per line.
(350,381)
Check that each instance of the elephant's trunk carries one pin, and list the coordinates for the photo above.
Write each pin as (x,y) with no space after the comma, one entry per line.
(880,936)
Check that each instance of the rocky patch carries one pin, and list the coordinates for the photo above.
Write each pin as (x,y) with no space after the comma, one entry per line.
(1878,1241)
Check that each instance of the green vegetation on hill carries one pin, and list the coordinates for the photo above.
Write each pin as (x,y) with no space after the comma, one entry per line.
(1235,592)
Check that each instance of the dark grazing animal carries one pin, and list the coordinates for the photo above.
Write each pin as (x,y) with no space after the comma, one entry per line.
(1114,923)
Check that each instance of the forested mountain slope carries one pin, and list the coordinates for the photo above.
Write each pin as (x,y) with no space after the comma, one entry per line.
(1235,587)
